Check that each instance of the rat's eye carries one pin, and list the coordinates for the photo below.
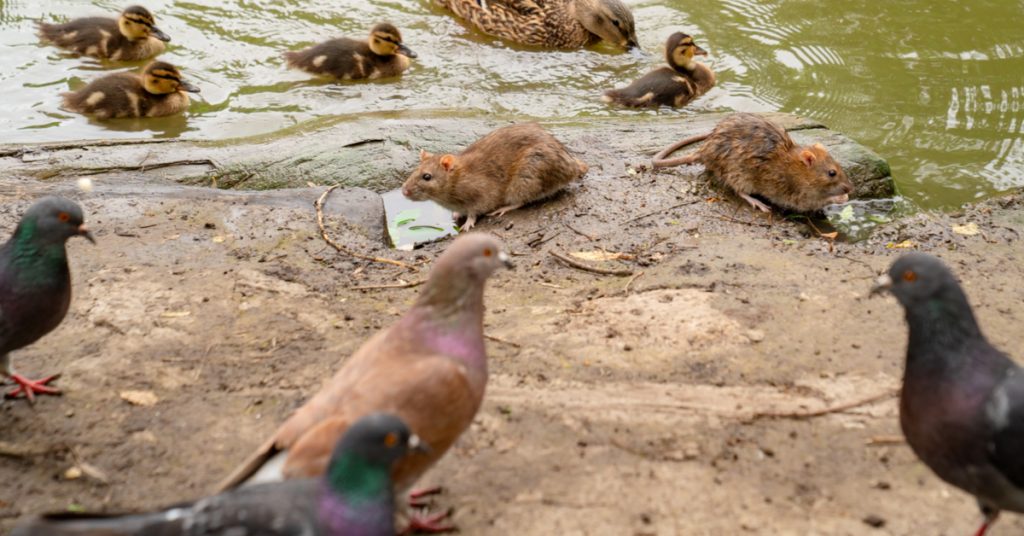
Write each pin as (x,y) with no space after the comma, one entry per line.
(832,173)
(426,176)
(64,217)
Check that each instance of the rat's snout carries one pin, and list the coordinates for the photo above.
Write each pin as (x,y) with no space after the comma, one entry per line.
(406,192)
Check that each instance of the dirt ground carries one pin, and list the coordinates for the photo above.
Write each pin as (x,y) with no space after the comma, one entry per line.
(616,405)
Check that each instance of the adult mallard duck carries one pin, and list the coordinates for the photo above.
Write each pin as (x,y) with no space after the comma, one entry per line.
(682,81)
(562,24)
(132,36)
(383,55)
(159,91)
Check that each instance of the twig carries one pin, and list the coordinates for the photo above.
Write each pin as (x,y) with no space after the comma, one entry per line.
(579,232)
(580,266)
(342,249)
(660,211)
(821,412)
(625,290)
(503,341)
(410,284)
(878,441)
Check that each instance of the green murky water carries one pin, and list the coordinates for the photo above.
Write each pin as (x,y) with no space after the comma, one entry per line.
(936,88)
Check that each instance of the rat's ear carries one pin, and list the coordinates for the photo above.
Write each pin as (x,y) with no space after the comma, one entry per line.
(448,162)
(808,157)
(820,147)
(424,155)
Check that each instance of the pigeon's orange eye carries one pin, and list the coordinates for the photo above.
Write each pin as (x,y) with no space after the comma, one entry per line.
(64,217)
(391,440)
(488,252)
(909,276)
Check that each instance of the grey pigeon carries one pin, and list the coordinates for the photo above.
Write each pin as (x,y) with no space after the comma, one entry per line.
(354,498)
(429,368)
(35,283)
(962,404)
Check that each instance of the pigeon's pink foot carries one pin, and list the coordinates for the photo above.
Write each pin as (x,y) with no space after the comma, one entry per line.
(416,496)
(29,388)
(429,524)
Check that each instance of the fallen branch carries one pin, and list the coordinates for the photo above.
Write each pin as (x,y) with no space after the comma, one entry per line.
(580,266)
(342,249)
(821,412)
(878,441)
(410,284)
(625,289)
(145,167)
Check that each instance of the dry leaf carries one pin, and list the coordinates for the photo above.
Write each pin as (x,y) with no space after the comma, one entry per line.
(967,229)
(140,398)
(906,244)
(599,255)
(218,239)
(73,473)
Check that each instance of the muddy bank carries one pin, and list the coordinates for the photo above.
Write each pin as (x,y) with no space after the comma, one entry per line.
(617,404)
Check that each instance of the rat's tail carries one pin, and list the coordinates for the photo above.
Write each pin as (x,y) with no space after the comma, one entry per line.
(661,159)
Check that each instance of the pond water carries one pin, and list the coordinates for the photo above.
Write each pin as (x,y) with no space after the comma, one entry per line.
(937,90)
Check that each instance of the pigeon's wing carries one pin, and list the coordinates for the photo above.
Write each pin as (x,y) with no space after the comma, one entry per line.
(1005,412)
(281,509)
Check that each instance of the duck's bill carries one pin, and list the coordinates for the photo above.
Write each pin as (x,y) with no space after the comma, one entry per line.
(697,51)
(634,48)
(187,86)
(406,51)
(159,34)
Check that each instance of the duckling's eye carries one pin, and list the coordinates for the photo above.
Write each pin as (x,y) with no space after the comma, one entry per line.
(426,176)
(616,23)
(64,217)
(832,173)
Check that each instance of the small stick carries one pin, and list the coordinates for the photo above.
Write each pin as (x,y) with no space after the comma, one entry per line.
(342,249)
(625,290)
(821,412)
(579,232)
(659,211)
(503,341)
(585,268)
(410,284)
(143,168)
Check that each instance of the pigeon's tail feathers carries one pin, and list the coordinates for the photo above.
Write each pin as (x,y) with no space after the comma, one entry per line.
(167,522)
(253,466)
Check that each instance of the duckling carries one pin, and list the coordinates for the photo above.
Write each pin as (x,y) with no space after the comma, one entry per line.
(383,55)
(565,24)
(133,36)
(158,92)
(682,81)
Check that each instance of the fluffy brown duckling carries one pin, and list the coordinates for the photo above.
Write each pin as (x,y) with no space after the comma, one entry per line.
(383,55)
(132,36)
(159,91)
(676,85)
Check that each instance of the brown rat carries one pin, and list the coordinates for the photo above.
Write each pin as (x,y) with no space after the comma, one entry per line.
(752,155)
(502,171)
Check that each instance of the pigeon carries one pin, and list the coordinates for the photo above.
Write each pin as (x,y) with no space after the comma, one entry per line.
(429,368)
(355,497)
(962,403)
(35,283)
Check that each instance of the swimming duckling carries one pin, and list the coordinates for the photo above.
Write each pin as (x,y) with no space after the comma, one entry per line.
(682,81)
(381,56)
(133,36)
(563,24)
(159,91)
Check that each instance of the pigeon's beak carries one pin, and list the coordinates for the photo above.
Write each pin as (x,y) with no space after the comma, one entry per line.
(882,284)
(418,445)
(159,34)
(83,232)
(504,258)
(406,51)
